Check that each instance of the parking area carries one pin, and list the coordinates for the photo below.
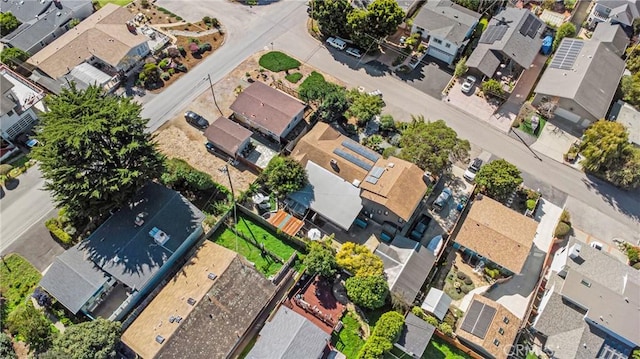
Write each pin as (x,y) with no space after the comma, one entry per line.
(429,77)
(471,102)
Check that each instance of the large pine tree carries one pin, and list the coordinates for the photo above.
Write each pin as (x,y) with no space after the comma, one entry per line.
(95,153)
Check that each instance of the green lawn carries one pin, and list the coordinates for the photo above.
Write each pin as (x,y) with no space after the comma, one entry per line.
(117,2)
(264,265)
(525,126)
(265,236)
(294,77)
(348,341)
(439,349)
(18,278)
(277,61)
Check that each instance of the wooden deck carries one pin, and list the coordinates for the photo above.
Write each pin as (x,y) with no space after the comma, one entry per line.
(286,223)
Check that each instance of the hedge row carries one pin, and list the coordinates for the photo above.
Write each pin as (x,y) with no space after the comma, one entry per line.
(54,227)
(385,333)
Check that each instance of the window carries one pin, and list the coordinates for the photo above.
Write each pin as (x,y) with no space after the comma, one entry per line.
(501,331)
(496,342)
(505,320)
(585,283)
(447,45)
(437,41)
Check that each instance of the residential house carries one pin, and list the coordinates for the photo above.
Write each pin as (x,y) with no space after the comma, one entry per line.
(17,104)
(42,21)
(511,41)
(127,256)
(489,328)
(581,80)
(437,303)
(615,11)
(268,110)
(496,234)
(612,34)
(407,265)
(228,137)
(589,307)
(446,27)
(390,189)
(204,311)
(627,115)
(415,336)
(289,335)
(104,40)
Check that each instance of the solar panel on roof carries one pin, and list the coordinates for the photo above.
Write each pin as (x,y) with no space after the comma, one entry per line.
(371,179)
(524,29)
(566,54)
(478,319)
(377,172)
(533,29)
(472,315)
(361,150)
(493,34)
(353,159)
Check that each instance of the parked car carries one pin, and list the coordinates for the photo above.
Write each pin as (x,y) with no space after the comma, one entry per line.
(442,199)
(337,43)
(420,227)
(375,93)
(196,120)
(474,167)
(596,245)
(354,52)
(27,140)
(468,84)
(210,148)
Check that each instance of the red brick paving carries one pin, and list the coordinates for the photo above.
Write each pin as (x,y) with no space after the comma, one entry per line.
(319,299)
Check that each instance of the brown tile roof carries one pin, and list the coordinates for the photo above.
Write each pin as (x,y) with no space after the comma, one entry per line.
(506,339)
(267,107)
(498,233)
(103,34)
(224,307)
(400,188)
(227,135)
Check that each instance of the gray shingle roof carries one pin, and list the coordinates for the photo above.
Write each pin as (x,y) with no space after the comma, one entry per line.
(511,44)
(446,20)
(592,81)
(72,279)
(129,253)
(415,335)
(289,335)
(623,11)
(611,33)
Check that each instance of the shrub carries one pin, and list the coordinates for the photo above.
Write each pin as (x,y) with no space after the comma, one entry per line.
(53,227)
(565,217)
(43,299)
(173,52)
(562,229)
(6,347)
(633,254)
(636,266)
(431,320)
(294,77)
(492,86)
(144,4)
(461,276)
(369,292)
(446,329)
(194,40)
(181,68)
(205,47)
(28,322)
(5,169)
(182,51)
(389,326)
(468,281)
(531,204)
(171,71)
(165,76)
(389,151)
(164,64)
(17,171)
(206,19)
(493,273)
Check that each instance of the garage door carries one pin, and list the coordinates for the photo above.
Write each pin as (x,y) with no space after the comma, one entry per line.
(568,115)
(439,54)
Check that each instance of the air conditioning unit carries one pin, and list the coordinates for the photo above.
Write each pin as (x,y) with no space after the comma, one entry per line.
(574,251)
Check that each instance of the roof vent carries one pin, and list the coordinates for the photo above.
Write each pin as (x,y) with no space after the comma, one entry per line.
(390,164)
(116,259)
(212,276)
(191,301)
(58,13)
(574,251)
(356,183)
(159,339)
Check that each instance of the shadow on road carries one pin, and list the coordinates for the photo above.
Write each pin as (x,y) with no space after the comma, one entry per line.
(12,184)
(626,202)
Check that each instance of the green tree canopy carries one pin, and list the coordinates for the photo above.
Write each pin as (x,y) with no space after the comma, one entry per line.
(331,16)
(432,145)
(385,333)
(28,322)
(565,30)
(334,103)
(284,175)
(363,106)
(631,89)
(498,179)
(633,58)
(320,260)
(150,74)
(13,57)
(380,19)
(8,23)
(95,154)
(369,291)
(90,340)
(6,347)
(358,260)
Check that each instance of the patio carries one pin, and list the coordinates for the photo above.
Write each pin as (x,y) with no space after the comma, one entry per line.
(263,151)
(317,303)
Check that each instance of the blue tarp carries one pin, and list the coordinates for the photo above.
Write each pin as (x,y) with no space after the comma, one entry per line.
(547,44)
(434,244)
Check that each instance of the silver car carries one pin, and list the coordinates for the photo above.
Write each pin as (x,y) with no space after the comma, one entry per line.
(468,84)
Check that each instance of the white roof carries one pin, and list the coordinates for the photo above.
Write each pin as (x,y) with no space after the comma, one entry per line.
(90,75)
(437,302)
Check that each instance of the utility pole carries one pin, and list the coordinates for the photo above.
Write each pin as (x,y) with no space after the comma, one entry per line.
(214,100)
(225,169)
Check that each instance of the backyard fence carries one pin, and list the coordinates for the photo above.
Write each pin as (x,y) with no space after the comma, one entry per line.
(277,278)
(456,343)
(298,243)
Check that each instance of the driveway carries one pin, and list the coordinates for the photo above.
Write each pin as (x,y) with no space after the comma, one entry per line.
(470,102)
(553,142)
(428,77)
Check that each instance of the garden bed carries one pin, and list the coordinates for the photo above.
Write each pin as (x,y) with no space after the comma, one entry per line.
(438,348)
(349,340)
(458,284)
(18,278)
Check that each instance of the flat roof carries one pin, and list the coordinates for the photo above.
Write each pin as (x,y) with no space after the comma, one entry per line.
(497,233)
(330,196)
(128,253)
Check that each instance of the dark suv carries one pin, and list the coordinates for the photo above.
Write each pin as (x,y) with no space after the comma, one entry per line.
(196,120)
(420,227)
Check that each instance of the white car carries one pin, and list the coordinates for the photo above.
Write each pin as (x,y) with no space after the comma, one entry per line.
(467,86)
(375,93)
(337,43)
(596,245)
(472,170)
(354,52)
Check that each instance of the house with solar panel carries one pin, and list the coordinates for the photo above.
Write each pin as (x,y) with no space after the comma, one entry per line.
(446,27)
(347,179)
(614,11)
(579,84)
(589,305)
(129,255)
(489,328)
(509,44)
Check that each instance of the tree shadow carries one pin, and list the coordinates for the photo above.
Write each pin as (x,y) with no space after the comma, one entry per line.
(12,183)
(626,202)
